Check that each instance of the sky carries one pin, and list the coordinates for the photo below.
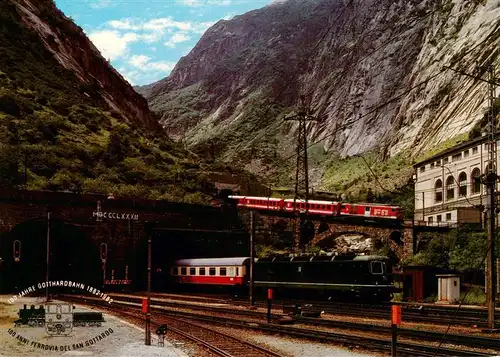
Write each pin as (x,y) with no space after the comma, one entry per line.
(144,39)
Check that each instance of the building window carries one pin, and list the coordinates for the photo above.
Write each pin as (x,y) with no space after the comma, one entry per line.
(429,219)
(445,160)
(438,163)
(475,182)
(450,188)
(432,165)
(422,168)
(466,153)
(462,181)
(474,150)
(438,190)
(438,218)
(456,157)
(448,216)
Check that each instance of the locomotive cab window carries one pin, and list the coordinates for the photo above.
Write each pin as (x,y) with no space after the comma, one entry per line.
(377,267)
(211,271)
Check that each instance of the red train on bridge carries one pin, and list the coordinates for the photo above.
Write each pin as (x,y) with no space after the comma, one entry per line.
(323,208)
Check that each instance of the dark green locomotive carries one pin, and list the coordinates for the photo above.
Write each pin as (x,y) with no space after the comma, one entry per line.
(366,278)
(35,317)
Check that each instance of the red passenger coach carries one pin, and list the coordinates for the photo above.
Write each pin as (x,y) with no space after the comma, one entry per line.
(265,203)
(371,210)
(210,271)
(327,208)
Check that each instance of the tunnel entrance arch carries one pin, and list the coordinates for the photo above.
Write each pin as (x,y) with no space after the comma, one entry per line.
(73,255)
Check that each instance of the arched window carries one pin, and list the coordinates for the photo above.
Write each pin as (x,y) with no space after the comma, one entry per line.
(462,181)
(475,182)
(450,188)
(438,190)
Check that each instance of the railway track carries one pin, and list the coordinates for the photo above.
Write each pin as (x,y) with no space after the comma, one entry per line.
(411,312)
(384,345)
(459,339)
(216,342)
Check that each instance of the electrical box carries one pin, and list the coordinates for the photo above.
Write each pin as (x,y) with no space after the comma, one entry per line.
(448,288)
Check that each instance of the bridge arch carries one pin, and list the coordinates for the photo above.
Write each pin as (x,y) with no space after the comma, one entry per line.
(73,255)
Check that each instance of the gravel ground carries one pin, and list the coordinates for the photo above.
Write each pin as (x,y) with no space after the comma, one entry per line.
(298,348)
(120,339)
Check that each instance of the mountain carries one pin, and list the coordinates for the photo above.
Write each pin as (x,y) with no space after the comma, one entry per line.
(69,121)
(372,72)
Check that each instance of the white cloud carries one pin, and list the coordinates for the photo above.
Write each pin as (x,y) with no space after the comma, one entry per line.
(139,61)
(157,27)
(100,4)
(177,38)
(142,63)
(112,44)
(195,3)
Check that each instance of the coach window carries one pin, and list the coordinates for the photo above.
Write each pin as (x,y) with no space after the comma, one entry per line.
(202,271)
(211,271)
(476,183)
(237,271)
(438,188)
(450,188)
(175,271)
(377,267)
(462,180)
(183,271)
(192,271)
(222,272)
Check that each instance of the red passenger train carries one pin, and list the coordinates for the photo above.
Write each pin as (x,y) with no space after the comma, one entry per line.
(324,208)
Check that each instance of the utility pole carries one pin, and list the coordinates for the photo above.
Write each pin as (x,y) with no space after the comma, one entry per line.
(148,313)
(490,180)
(252,256)
(47,297)
(303,115)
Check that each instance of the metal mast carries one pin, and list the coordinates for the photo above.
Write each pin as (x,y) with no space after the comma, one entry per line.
(303,115)
(490,180)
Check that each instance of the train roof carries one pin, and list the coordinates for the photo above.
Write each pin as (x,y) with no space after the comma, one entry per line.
(212,261)
(321,258)
(256,198)
(312,201)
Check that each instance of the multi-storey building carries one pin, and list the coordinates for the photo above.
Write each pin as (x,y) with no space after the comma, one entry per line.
(448,189)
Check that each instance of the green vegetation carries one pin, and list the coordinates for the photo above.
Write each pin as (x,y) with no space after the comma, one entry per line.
(462,249)
(56,135)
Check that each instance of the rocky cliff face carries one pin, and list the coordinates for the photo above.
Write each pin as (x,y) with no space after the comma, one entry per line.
(70,122)
(372,72)
(73,50)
